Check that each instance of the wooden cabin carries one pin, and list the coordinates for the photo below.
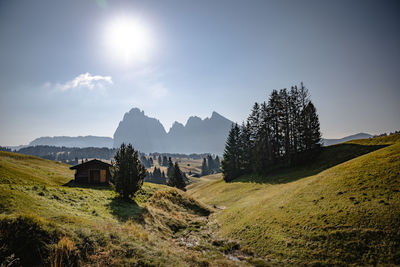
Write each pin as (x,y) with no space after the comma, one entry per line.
(92,172)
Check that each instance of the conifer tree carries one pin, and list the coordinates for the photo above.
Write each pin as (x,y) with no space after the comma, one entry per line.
(210,165)
(170,167)
(246,148)
(217,164)
(176,178)
(128,171)
(311,129)
(230,165)
(165,161)
(204,167)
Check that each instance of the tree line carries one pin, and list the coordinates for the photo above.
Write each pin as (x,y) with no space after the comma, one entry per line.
(282,131)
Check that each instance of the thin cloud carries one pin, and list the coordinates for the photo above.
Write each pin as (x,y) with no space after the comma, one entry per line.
(86,80)
(158,90)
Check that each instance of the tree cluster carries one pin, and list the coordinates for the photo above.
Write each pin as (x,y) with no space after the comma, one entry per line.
(210,165)
(157,176)
(146,161)
(279,132)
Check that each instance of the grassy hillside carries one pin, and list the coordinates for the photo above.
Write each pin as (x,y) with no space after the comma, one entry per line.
(44,220)
(343,208)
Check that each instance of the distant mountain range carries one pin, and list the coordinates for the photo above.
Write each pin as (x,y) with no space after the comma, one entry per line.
(77,141)
(196,136)
(148,135)
(328,142)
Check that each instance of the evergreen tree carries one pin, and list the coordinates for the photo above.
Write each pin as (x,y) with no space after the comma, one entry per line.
(159,161)
(128,171)
(217,164)
(311,129)
(210,164)
(165,161)
(246,148)
(176,178)
(230,165)
(204,167)
(170,167)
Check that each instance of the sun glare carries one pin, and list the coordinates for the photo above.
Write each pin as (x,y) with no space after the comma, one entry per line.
(128,40)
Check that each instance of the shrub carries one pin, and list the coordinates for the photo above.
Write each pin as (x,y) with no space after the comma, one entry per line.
(26,238)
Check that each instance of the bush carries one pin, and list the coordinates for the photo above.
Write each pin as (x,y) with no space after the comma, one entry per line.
(26,238)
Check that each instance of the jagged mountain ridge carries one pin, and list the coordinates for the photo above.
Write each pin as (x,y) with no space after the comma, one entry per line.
(196,136)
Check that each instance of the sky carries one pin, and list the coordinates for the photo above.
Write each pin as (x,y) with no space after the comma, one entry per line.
(75,67)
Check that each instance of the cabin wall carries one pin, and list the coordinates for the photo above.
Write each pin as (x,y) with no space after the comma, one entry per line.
(82,174)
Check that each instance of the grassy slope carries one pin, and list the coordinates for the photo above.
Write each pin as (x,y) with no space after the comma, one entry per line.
(99,227)
(322,214)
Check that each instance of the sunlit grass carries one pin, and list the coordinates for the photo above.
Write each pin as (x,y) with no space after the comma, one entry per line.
(348,213)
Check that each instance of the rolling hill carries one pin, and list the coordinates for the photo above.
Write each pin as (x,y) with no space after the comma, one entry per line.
(328,142)
(45,220)
(342,209)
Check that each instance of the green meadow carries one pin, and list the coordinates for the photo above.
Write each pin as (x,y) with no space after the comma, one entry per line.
(46,220)
(343,208)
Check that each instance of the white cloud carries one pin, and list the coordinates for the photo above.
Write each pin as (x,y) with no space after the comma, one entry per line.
(86,80)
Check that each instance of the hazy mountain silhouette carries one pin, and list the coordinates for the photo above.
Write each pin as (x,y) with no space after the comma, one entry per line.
(144,133)
(77,141)
(197,136)
(328,142)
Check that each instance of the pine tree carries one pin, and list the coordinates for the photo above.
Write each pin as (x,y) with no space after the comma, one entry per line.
(311,128)
(170,167)
(159,161)
(176,178)
(165,161)
(128,171)
(210,164)
(246,148)
(217,164)
(204,167)
(230,165)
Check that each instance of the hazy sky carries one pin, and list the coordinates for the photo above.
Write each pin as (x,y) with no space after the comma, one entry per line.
(66,69)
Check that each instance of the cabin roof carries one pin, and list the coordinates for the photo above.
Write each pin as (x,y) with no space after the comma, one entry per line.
(90,162)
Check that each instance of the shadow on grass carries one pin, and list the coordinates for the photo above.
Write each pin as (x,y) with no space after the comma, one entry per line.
(125,210)
(328,157)
(73,184)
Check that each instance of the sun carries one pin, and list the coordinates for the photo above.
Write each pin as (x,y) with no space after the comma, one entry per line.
(128,39)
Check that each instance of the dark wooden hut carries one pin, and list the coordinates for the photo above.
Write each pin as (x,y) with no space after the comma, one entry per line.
(92,172)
